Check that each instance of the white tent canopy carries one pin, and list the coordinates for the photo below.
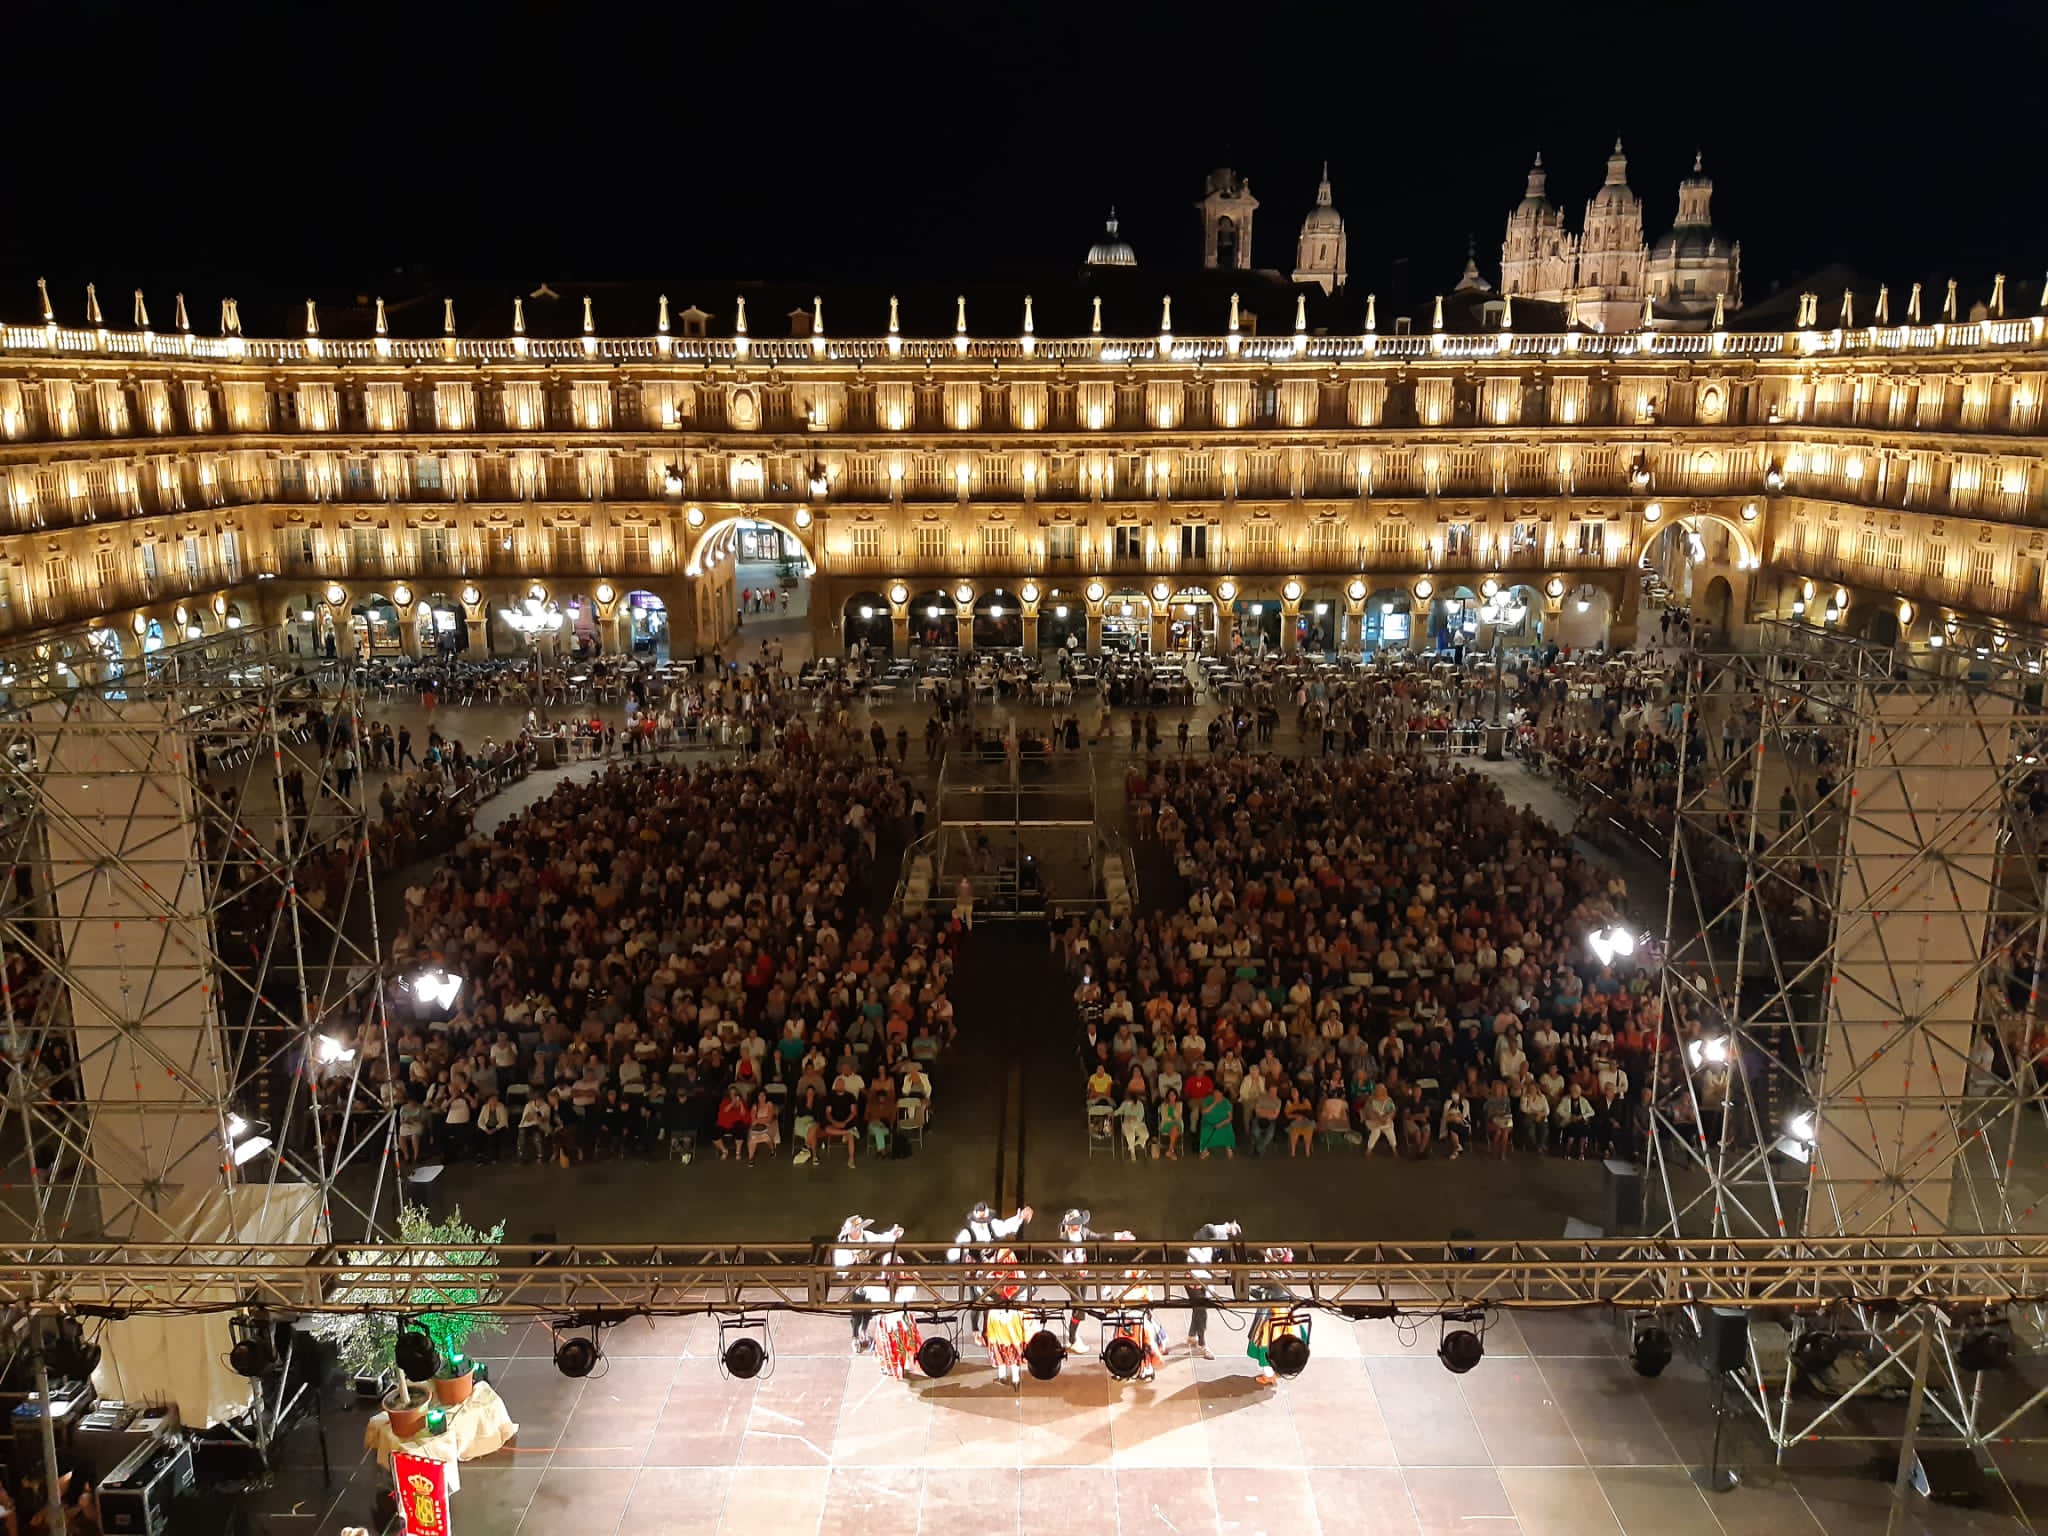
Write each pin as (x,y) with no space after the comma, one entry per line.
(184,1360)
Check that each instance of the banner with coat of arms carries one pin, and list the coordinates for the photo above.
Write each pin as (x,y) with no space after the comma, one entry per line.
(424,1485)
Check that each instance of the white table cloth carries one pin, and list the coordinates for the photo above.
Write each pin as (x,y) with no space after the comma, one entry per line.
(475,1428)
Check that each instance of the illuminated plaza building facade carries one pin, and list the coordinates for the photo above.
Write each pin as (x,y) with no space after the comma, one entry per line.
(1018,469)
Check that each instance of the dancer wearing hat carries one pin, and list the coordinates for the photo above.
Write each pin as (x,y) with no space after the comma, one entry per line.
(1074,1231)
(853,1249)
(980,1240)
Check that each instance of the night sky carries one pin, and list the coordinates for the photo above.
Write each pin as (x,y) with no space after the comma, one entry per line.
(329,151)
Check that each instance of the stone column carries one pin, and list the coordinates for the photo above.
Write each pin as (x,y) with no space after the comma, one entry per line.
(1290,615)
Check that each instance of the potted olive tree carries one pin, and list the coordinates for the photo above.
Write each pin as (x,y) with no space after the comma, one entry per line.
(454,1262)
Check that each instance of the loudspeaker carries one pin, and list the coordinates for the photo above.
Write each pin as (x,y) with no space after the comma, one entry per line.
(1724,1338)
(1621,1187)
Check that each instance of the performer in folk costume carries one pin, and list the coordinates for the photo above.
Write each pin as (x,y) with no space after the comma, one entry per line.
(895,1331)
(1270,1322)
(1075,1231)
(1004,1330)
(861,1242)
(979,1240)
(1143,1329)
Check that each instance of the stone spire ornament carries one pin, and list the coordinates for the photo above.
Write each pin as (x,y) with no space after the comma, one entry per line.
(1372,312)
(960,315)
(518,317)
(1166,317)
(1507,312)
(817,316)
(739,324)
(92,306)
(895,328)
(661,321)
(312,319)
(1720,310)
(1029,328)
(1948,304)
(43,290)
(141,312)
(448,317)
(1884,304)
(1913,306)
(1095,326)
(383,325)
(1233,312)
(1437,320)
(589,322)
(184,320)
(1998,296)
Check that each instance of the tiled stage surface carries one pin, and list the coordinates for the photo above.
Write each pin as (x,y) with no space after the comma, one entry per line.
(1552,1435)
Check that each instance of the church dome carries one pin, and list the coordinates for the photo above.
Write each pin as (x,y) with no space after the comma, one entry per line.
(1615,190)
(1111,251)
(1323,218)
(1689,243)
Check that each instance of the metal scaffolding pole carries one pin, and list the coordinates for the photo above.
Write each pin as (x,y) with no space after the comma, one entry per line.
(190,996)
(1844,1047)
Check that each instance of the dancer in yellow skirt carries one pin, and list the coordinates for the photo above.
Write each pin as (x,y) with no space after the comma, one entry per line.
(1003,1329)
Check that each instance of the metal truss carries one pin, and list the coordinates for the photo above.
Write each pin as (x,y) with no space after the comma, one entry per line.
(1886,1276)
(1836,965)
(176,941)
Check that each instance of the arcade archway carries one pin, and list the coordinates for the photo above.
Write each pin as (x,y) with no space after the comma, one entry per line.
(1389,618)
(1191,620)
(1258,620)
(998,621)
(373,625)
(935,620)
(866,621)
(1062,621)
(1127,621)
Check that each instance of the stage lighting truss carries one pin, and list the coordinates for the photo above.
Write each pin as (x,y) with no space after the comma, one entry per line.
(743,1348)
(208,961)
(1842,966)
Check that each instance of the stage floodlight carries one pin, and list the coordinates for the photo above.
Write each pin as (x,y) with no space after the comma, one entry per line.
(1980,1349)
(742,1347)
(936,1356)
(1288,1352)
(415,1356)
(1044,1354)
(254,1352)
(1815,1352)
(67,1352)
(1123,1357)
(577,1357)
(1649,1348)
(1460,1348)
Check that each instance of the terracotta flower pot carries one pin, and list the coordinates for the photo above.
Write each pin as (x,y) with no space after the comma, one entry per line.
(410,1417)
(449,1391)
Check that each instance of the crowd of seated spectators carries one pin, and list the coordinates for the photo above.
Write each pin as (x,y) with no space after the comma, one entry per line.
(659,960)
(1376,953)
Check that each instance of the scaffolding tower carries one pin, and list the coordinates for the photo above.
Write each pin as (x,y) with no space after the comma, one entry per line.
(1851,987)
(192,1012)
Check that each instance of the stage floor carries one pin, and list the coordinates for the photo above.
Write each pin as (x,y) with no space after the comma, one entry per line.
(1552,1435)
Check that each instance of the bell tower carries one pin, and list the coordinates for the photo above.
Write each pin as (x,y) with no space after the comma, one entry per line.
(1227,207)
